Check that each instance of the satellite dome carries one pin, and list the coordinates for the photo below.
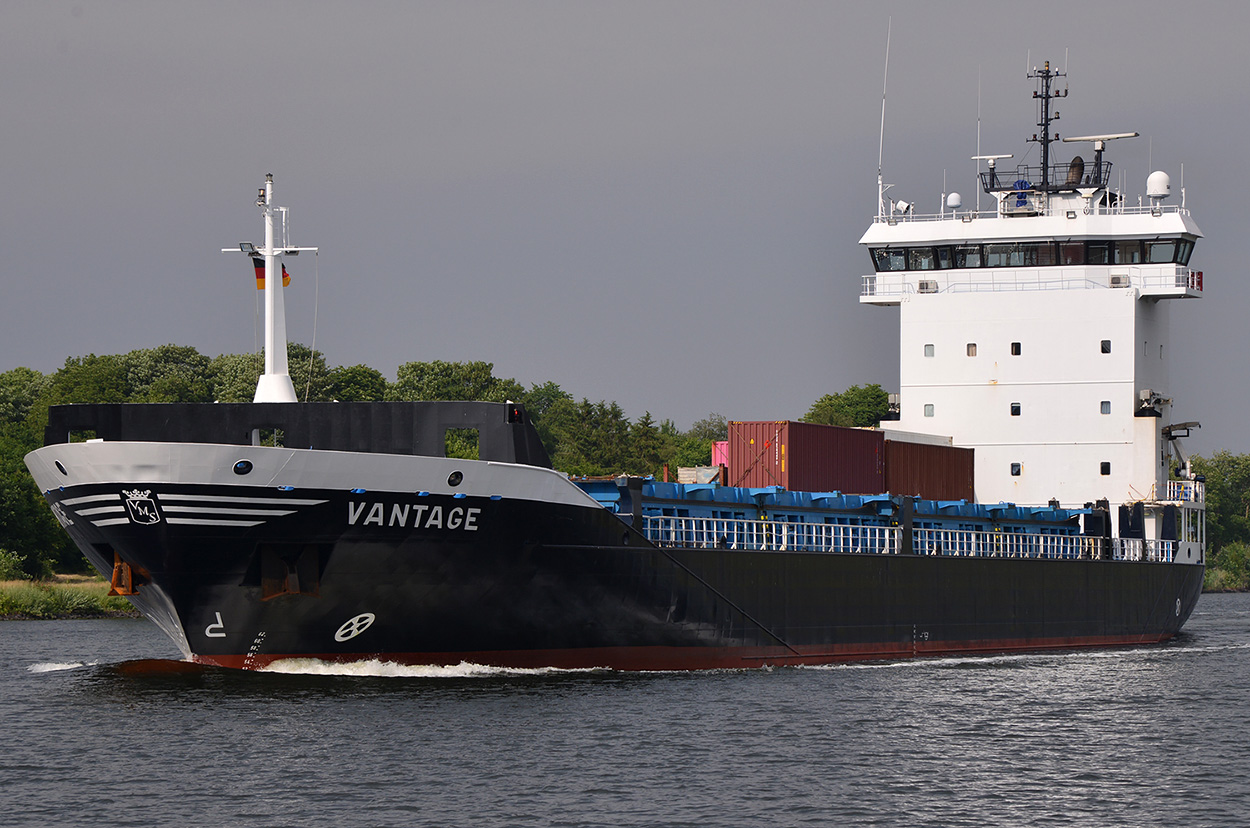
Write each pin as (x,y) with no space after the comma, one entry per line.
(954,201)
(1158,185)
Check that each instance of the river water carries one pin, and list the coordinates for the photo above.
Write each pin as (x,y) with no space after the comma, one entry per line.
(1137,737)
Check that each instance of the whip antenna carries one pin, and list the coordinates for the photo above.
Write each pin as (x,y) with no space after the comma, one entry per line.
(881,142)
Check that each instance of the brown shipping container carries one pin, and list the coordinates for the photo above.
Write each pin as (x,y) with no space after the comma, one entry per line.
(804,457)
(932,472)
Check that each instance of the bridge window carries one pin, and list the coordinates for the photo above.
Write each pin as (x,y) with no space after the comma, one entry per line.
(1098,253)
(1128,252)
(921,258)
(968,255)
(1003,255)
(886,258)
(945,258)
(1182,254)
(1072,253)
(1160,252)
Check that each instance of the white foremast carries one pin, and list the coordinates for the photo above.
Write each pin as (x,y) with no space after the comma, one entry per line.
(275,384)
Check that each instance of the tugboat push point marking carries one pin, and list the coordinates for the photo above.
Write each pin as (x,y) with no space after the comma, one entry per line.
(422,515)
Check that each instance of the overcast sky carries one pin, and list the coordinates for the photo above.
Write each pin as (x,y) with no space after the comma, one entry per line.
(653,203)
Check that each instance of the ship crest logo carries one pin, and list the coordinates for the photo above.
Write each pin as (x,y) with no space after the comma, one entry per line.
(141,507)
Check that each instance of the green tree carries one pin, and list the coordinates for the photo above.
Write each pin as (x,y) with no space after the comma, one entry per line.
(234,376)
(647,447)
(856,406)
(440,380)
(553,412)
(20,389)
(90,379)
(167,374)
(711,428)
(357,383)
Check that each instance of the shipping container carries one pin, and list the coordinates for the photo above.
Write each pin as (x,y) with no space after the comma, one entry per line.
(805,457)
(933,472)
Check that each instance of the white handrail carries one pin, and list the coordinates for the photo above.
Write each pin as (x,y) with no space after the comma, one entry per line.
(765,535)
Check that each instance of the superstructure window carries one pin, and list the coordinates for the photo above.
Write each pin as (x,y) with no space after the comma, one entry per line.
(1072,253)
(928,409)
(1098,253)
(1128,252)
(921,258)
(1160,252)
(1016,468)
(1105,346)
(928,350)
(886,258)
(972,349)
(1105,406)
(1003,255)
(1015,409)
(968,255)
(1104,468)
(1182,253)
(1038,254)
(945,258)
(1015,349)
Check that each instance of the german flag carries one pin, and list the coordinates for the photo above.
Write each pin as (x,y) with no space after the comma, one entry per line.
(259,266)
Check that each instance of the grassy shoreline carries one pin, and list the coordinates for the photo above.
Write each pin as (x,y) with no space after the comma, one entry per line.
(65,596)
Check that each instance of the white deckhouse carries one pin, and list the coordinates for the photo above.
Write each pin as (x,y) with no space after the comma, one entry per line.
(1037,334)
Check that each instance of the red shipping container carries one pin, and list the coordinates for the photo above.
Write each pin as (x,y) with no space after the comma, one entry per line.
(805,457)
(931,471)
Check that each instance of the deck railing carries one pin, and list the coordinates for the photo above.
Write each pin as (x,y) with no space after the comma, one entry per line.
(755,535)
(1192,491)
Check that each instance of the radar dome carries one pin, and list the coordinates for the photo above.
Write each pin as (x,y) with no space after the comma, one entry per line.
(954,201)
(1158,185)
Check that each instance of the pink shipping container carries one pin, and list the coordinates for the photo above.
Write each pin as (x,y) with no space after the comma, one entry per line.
(804,457)
(930,471)
(720,453)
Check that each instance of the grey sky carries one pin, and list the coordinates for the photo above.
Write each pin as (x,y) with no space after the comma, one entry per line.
(653,203)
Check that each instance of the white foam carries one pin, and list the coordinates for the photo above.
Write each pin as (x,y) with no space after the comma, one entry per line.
(56,666)
(389,669)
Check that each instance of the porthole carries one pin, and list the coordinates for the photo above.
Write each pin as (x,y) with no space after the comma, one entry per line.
(243,467)
(61,468)
(455,478)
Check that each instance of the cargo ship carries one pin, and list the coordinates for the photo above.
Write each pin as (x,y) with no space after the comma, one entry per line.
(1031,493)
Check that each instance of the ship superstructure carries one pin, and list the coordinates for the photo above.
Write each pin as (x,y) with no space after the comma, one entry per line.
(1037,333)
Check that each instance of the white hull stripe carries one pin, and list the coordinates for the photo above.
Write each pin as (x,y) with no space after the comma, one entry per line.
(264,501)
(100,510)
(211,522)
(111,522)
(74,501)
(216,510)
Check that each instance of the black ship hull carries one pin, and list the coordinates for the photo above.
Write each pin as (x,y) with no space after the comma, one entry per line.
(245,555)
(548,585)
